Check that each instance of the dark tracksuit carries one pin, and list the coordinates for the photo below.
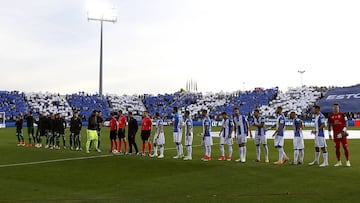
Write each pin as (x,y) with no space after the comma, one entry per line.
(132,130)
(75,128)
(19,126)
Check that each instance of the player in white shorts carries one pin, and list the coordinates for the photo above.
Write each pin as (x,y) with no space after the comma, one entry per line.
(298,140)
(279,137)
(225,137)
(188,135)
(159,137)
(320,142)
(207,139)
(258,122)
(241,132)
(178,122)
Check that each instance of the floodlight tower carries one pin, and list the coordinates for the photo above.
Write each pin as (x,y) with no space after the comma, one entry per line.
(302,73)
(102,13)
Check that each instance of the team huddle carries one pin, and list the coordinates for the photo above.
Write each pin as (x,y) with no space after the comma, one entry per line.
(239,127)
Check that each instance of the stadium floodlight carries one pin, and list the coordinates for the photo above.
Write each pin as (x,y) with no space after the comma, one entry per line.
(302,73)
(103,12)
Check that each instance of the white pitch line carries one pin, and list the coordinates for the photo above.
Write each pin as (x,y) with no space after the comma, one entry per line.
(67,159)
(53,161)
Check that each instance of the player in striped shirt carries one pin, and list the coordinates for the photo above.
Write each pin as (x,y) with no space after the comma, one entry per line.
(298,140)
(188,135)
(178,122)
(159,137)
(279,137)
(241,132)
(320,142)
(226,137)
(207,139)
(258,122)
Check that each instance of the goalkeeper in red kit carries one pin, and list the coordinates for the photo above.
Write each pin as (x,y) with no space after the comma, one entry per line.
(338,122)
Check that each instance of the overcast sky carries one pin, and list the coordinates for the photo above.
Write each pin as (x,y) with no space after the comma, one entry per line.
(157,45)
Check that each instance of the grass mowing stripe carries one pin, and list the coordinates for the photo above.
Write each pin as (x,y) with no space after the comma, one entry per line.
(67,159)
(194,197)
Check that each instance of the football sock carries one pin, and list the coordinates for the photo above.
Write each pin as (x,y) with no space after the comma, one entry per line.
(240,152)
(126,147)
(222,150)
(181,152)
(149,145)
(317,156)
(296,155)
(244,152)
(257,152)
(120,145)
(143,148)
(346,149)
(155,148)
(29,140)
(189,150)
(18,137)
(280,154)
(96,141)
(325,155)
(87,145)
(162,150)
(301,152)
(112,145)
(337,152)
(209,151)
(178,149)
(266,151)
(230,150)
(283,153)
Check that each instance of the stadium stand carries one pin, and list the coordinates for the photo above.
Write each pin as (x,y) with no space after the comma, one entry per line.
(246,101)
(48,103)
(13,104)
(165,103)
(298,99)
(126,103)
(214,103)
(207,102)
(86,103)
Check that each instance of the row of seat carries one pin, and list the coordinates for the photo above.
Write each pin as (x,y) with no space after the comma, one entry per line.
(298,99)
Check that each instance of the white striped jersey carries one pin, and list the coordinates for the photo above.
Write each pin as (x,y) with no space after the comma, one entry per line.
(227,126)
(257,121)
(240,125)
(189,127)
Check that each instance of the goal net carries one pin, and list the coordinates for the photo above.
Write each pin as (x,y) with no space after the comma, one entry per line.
(2,120)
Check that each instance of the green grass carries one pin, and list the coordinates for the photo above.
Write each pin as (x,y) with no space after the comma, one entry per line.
(142,179)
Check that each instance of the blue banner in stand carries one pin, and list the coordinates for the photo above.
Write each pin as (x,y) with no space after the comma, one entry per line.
(347,97)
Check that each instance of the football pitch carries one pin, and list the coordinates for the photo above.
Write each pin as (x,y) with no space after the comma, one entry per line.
(43,175)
